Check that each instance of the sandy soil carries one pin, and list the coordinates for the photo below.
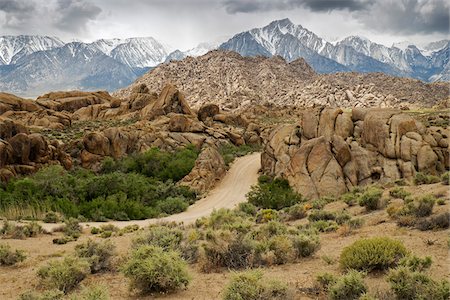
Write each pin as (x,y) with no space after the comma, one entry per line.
(228,193)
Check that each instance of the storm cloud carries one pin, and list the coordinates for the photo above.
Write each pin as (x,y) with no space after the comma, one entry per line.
(73,15)
(16,12)
(250,6)
(405,16)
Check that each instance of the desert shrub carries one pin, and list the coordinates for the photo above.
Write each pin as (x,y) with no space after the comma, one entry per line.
(415,263)
(399,193)
(248,208)
(16,231)
(370,198)
(324,226)
(440,221)
(65,274)
(318,215)
(9,257)
(440,201)
(52,217)
(348,287)
(305,244)
(351,198)
(410,285)
(47,295)
(92,293)
(160,236)
(98,254)
(267,215)
(154,269)
(106,234)
(224,248)
(445,178)
(72,228)
(374,253)
(422,178)
(321,202)
(282,249)
(129,229)
(226,219)
(250,285)
(422,207)
(355,223)
(273,194)
(296,212)
(326,280)
(173,205)
(109,227)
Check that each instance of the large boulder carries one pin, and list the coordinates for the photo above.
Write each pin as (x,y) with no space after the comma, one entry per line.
(73,100)
(9,102)
(185,123)
(169,101)
(208,170)
(207,111)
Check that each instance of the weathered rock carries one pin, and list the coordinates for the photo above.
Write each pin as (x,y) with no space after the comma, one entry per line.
(207,111)
(72,101)
(169,101)
(344,125)
(6,153)
(209,168)
(184,123)
(11,102)
(21,146)
(96,143)
(231,119)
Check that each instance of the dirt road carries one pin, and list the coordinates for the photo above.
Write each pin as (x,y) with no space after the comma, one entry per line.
(227,194)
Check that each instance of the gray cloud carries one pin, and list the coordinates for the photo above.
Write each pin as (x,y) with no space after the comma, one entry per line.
(395,16)
(16,12)
(249,6)
(407,16)
(73,15)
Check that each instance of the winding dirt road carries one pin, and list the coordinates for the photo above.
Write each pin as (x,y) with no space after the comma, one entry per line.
(227,194)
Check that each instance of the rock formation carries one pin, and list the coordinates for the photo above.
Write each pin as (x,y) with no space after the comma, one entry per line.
(233,82)
(329,151)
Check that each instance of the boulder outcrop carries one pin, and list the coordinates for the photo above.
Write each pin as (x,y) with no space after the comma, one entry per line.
(330,151)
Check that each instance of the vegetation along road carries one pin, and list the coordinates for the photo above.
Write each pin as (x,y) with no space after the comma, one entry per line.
(228,193)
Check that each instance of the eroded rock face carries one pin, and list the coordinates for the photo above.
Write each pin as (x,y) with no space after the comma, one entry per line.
(72,101)
(330,152)
(208,170)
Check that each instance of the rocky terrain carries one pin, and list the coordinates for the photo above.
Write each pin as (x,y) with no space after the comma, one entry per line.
(59,128)
(329,152)
(232,81)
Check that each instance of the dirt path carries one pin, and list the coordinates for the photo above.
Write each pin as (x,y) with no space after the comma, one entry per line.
(227,194)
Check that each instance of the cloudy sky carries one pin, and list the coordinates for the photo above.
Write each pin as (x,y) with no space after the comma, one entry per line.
(184,23)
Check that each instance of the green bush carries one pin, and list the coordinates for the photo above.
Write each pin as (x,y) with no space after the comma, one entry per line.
(160,236)
(72,228)
(123,192)
(273,194)
(267,215)
(326,280)
(282,249)
(296,212)
(248,208)
(325,226)
(47,295)
(374,253)
(52,217)
(370,198)
(92,293)
(421,178)
(415,263)
(173,205)
(422,207)
(348,287)
(9,257)
(98,254)
(410,285)
(445,178)
(399,193)
(21,232)
(305,245)
(154,269)
(250,285)
(64,274)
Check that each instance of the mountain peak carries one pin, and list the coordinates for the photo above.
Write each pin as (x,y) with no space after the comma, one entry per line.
(282,23)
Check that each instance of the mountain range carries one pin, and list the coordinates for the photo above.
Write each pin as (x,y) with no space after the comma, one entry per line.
(32,65)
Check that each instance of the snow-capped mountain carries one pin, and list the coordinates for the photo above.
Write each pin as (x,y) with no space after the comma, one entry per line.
(13,48)
(31,64)
(352,53)
(199,50)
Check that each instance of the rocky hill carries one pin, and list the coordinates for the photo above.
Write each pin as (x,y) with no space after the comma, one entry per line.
(232,81)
